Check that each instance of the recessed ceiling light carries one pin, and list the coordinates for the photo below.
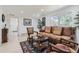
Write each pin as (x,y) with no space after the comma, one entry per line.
(42,9)
(21,12)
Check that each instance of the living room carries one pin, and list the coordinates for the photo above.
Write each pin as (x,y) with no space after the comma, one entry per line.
(16,19)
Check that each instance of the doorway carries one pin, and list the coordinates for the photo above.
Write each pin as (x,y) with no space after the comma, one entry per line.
(14,24)
(13,29)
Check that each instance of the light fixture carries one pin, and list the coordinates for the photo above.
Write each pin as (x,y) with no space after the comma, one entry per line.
(42,9)
(21,12)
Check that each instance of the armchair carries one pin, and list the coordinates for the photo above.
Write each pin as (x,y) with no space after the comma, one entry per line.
(66,46)
(30,32)
(70,43)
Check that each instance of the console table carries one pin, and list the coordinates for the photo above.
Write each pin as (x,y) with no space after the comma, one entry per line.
(4,35)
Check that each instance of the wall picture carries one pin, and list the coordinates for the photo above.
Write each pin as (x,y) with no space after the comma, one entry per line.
(27,22)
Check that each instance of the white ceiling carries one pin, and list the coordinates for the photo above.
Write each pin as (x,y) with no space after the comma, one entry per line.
(29,10)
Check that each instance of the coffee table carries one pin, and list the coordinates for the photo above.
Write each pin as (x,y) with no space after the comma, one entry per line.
(39,44)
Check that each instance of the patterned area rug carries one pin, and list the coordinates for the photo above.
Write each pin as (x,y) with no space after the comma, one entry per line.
(27,48)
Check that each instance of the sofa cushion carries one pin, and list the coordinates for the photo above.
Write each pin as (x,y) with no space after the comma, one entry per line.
(67,31)
(66,37)
(48,29)
(57,30)
(53,36)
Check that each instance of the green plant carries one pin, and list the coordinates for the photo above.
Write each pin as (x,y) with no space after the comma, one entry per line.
(39,24)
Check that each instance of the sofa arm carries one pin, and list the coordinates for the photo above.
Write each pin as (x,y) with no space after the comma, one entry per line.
(71,37)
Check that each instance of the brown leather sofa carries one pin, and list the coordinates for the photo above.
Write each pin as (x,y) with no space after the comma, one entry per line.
(58,33)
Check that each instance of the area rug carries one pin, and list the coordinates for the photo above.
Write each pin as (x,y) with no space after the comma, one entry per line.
(26,48)
(23,46)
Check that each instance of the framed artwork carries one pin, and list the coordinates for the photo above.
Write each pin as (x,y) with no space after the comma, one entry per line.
(27,22)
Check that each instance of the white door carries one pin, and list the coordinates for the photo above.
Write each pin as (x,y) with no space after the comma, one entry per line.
(13,26)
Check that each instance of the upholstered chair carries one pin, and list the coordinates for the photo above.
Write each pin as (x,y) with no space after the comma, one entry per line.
(31,33)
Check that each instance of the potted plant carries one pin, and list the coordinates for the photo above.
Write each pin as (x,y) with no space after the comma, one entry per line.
(39,24)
